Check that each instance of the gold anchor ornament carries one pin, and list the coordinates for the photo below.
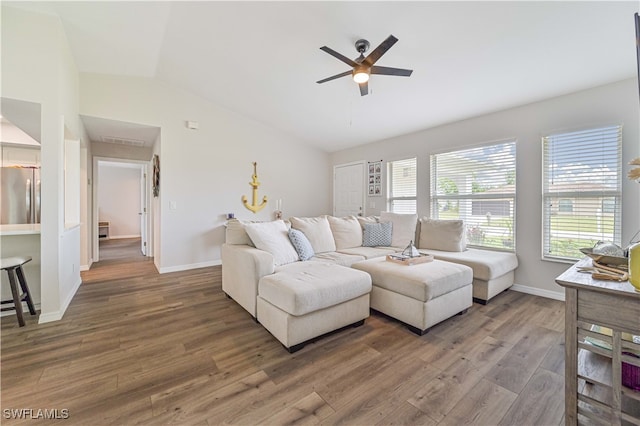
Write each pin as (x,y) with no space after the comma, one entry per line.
(254,184)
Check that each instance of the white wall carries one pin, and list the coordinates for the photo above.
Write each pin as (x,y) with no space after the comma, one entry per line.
(37,66)
(119,199)
(205,172)
(20,245)
(13,134)
(610,104)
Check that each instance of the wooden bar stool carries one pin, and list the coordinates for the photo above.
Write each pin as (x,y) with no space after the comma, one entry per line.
(13,266)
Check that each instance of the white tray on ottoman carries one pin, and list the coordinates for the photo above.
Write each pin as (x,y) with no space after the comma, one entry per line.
(419,295)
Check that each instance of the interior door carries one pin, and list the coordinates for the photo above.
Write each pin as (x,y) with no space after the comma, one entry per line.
(348,189)
(143,210)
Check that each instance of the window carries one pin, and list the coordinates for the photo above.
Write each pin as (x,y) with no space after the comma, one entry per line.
(581,190)
(565,206)
(401,181)
(478,185)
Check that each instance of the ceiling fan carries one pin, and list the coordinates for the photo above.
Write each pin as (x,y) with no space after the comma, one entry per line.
(364,67)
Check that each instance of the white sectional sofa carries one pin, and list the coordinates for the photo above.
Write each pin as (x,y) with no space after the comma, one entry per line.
(332,287)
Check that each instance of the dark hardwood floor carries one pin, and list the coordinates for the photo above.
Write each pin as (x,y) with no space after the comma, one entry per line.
(172,349)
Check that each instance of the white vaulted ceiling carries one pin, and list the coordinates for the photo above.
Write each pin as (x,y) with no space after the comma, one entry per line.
(262,59)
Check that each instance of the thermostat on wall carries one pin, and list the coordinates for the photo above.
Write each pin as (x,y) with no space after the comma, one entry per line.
(192,125)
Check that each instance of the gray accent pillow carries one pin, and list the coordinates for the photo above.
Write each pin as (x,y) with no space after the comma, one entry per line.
(301,244)
(445,235)
(377,234)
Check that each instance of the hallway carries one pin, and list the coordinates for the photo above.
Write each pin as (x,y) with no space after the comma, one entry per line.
(119,259)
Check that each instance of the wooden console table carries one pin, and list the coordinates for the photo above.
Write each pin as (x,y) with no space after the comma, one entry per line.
(593,375)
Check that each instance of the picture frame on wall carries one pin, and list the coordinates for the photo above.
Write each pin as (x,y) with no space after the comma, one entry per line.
(375,178)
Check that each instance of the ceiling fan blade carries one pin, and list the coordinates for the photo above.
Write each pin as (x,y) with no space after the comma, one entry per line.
(339,56)
(390,71)
(380,50)
(333,77)
(364,88)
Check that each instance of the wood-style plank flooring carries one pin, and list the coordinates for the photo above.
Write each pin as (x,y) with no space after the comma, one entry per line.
(172,349)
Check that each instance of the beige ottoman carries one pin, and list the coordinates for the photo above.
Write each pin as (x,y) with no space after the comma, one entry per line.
(419,295)
(305,300)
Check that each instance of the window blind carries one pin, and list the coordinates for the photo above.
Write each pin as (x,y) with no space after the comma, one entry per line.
(478,185)
(401,183)
(582,187)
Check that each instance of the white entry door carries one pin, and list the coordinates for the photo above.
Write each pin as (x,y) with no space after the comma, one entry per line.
(348,189)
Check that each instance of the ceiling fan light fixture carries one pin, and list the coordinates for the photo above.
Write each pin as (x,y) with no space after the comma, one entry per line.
(363,67)
(361,75)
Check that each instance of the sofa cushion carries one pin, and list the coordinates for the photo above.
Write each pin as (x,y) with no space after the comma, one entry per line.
(337,258)
(486,264)
(363,220)
(301,244)
(346,231)
(273,238)
(422,282)
(236,234)
(317,230)
(301,288)
(377,234)
(445,235)
(404,227)
(369,252)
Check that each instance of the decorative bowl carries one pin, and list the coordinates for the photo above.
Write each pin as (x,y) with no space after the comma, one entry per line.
(604,259)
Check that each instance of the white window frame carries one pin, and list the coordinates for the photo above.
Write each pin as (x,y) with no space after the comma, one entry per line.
(390,197)
(487,232)
(580,144)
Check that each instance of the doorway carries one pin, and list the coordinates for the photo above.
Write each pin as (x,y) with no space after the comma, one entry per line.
(121,209)
(348,189)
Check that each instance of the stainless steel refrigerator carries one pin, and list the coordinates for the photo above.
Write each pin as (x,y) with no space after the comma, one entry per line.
(20,195)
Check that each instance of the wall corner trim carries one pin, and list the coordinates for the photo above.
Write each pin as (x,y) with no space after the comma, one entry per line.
(50,317)
(57,315)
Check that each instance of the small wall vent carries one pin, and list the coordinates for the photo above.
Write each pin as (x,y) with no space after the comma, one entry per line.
(122,141)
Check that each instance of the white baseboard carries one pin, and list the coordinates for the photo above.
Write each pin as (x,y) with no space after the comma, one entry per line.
(50,317)
(538,292)
(57,315)
(86,267)
(190,266)
(121,237)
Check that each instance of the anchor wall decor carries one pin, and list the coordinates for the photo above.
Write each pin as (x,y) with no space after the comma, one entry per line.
(254,207)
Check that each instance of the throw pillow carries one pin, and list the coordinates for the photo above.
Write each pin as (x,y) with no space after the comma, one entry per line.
(377,234)
(445,235)
(301,244)
(404,227)
(317,230)
(346,231)
(273,238)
